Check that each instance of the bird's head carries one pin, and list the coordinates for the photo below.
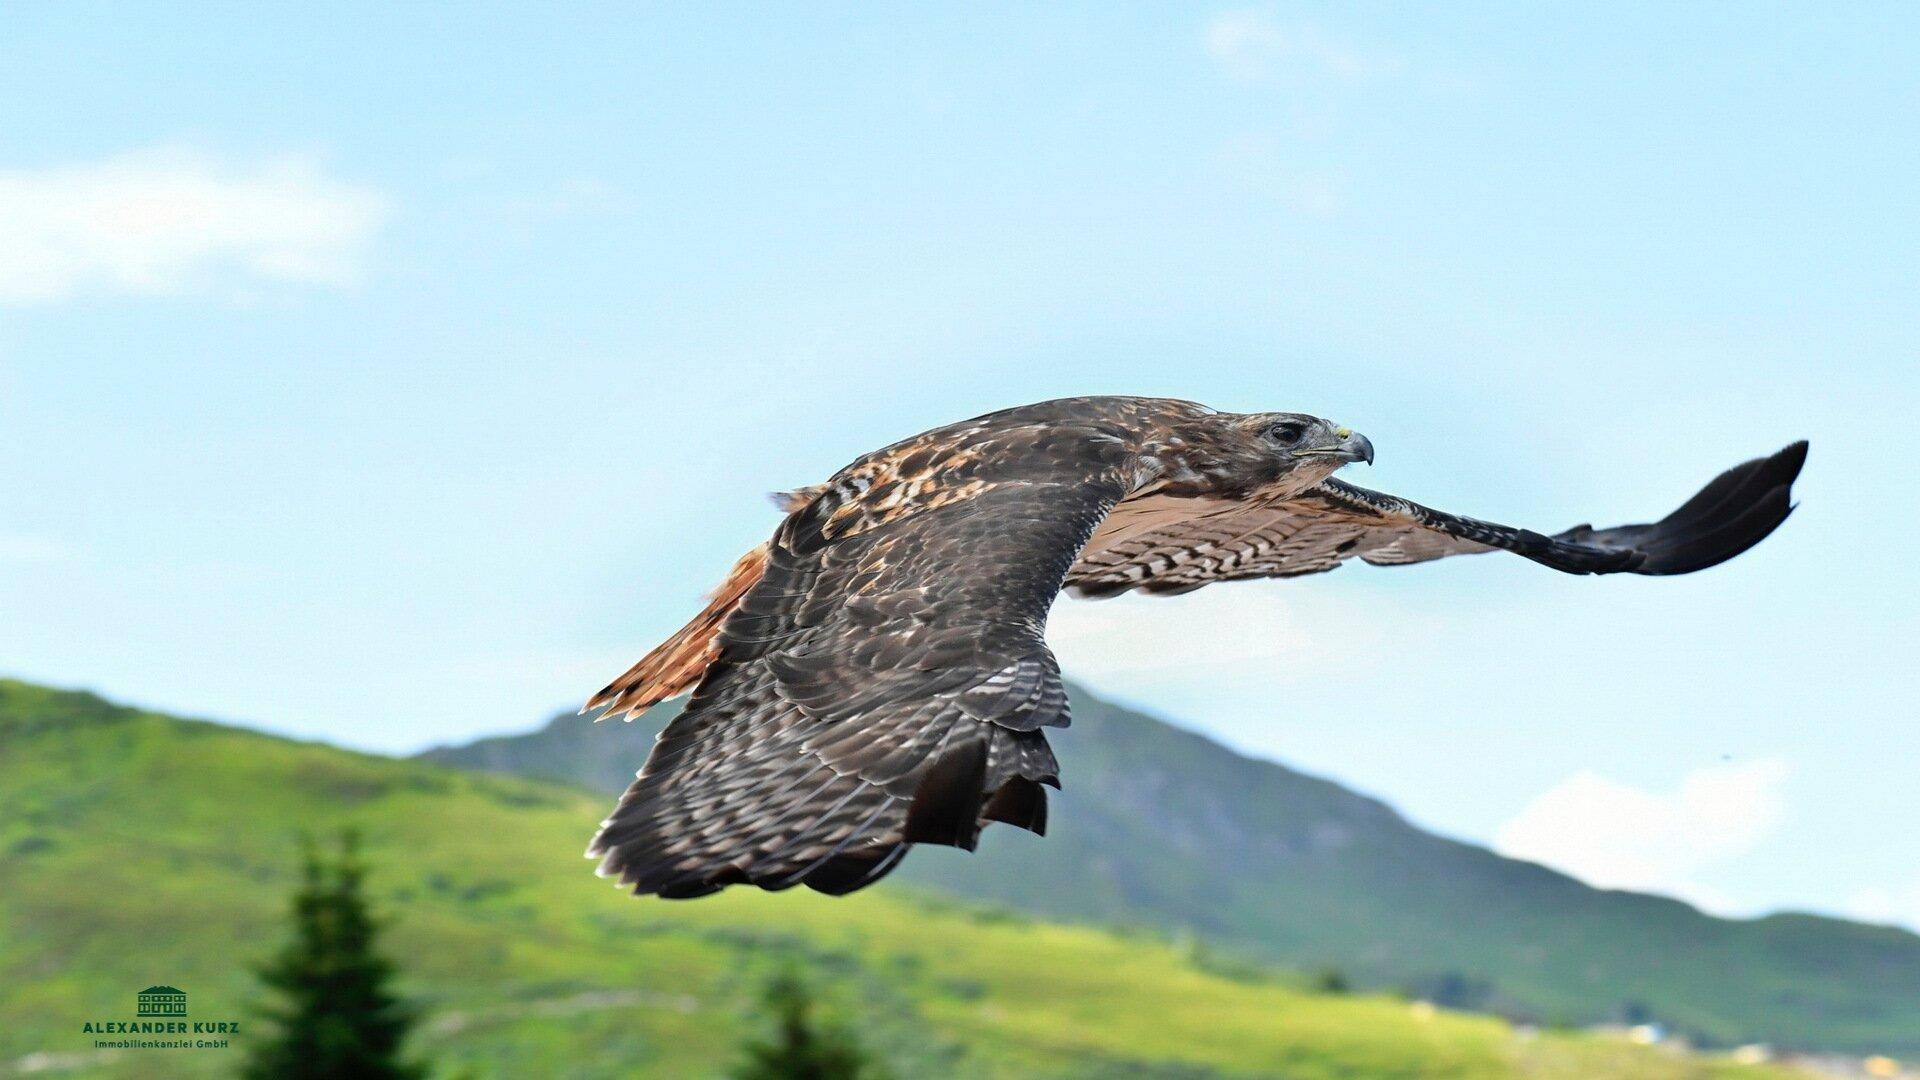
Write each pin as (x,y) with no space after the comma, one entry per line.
(1235,455)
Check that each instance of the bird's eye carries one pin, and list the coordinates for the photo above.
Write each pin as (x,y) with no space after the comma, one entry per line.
(1286,434)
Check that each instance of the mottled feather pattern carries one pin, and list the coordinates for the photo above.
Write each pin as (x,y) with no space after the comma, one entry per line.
(864,696)
(877,676)
(1319,529)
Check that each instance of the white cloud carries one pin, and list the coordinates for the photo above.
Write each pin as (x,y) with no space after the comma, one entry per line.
(1614,835)
(1133,644)
(1251,46)
(1895,905)
(161,220)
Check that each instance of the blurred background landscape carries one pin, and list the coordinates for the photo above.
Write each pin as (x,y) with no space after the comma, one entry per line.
(379,380)
(1265,924)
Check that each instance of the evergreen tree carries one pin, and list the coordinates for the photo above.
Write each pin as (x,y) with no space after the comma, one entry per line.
(1331,980)
(336,1017)
(802,1047)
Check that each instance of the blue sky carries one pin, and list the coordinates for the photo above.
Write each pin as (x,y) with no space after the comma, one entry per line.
(393,376)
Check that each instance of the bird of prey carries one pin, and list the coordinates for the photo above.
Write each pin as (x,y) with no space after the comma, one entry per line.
(876,675)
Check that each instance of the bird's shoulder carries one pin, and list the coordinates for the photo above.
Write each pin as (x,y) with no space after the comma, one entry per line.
(1065,442)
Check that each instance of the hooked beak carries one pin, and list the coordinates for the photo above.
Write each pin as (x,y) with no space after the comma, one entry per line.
(1352,446)
(1357,447)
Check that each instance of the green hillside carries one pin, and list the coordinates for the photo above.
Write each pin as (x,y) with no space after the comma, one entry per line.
(141,849)
(1161,827)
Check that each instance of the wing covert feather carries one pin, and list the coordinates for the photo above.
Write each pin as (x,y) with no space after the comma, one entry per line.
(885,681)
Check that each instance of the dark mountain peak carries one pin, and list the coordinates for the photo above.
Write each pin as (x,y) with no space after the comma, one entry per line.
(1157,763)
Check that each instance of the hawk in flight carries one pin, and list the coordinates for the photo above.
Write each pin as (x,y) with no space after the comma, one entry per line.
(877,676)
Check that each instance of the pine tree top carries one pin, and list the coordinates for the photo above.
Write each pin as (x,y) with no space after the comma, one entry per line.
(337,1014)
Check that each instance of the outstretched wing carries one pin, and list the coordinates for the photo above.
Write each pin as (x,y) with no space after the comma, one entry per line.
(885,680)
(1159,546)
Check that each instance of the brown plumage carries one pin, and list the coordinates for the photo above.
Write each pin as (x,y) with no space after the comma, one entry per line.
(876,674)
(677,663)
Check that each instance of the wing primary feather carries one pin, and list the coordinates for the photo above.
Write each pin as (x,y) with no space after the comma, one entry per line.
(946,809)
(855,833)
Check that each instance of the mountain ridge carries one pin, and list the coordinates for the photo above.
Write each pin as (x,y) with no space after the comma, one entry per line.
(1160,826)
(144,849)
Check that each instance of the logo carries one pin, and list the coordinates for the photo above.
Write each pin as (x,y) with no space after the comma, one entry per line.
(162,1001)
(160,1023)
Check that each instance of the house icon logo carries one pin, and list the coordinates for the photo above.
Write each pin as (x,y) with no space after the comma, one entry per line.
(162,1001)
(162,1025)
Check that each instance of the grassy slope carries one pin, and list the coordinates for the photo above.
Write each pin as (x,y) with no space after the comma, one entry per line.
(140,849)
(1162,827)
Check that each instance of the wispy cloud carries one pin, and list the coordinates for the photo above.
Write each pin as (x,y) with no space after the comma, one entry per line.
(160,221)
(1295,162)
(1250,45)
(1614,835)
(1897,904)
(1131,644)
